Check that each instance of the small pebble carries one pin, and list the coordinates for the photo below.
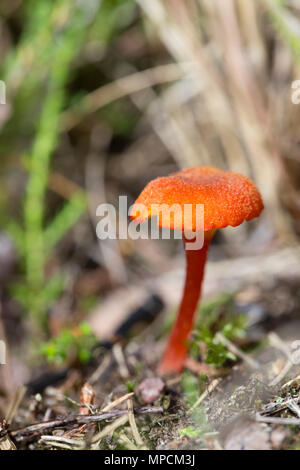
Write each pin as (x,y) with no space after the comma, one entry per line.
(150,389)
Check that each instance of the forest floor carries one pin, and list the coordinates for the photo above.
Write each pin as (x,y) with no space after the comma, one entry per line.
(119,402)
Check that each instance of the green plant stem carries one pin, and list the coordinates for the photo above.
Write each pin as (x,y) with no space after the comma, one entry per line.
(44,144)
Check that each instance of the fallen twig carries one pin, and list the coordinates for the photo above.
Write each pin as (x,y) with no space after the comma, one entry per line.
(39,428)
(109,429)
(237,352)
(202,397)
(293,406)
(123,439)
(119,88)
(277,343)
(287,421)
(117,402)
(87,396)
(274,407)
(5,441)
(133,426)
(21,391)
(120,359)
(295,382)
(63,442)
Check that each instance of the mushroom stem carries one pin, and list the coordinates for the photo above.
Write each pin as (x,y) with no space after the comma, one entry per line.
(176,351)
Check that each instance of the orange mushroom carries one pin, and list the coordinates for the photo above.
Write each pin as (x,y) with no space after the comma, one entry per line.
(228,199)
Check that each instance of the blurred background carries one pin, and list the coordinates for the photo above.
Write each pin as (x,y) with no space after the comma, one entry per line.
(101,97)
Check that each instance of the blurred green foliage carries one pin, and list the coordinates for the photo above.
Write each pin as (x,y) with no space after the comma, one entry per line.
(284,24)
(193,387)
(219,315)
(216,353)
(38,70)
(191,432)
(71,344)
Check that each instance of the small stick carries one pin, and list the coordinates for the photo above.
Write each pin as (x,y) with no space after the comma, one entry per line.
(237,352)
(21,390)
(6,373)
(217,444)
(39,428)
(281,374)
(47,414)
(119,357)
(127,442)
(295,382)
(64,440)
(119,88)
(110,428)
(275,407)
(269,420)
(100,369)
(277,342)
(61,445)
(294,408)
(87,396)
(133,426)
(202,397)
(117,402)
(5,441)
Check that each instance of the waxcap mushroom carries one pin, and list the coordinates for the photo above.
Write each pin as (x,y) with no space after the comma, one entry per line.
(229,198)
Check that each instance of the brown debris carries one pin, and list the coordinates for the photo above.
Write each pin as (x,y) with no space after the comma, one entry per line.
(86,399)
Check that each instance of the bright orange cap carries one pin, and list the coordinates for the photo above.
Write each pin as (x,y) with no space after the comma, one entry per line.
(228,198)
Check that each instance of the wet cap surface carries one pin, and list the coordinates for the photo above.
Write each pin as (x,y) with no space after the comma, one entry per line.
(228,199)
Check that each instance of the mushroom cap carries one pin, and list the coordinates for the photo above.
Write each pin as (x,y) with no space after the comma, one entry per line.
(228,199)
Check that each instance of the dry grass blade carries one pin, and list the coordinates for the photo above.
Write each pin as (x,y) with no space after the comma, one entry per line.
(237,352)
(20,393)
(5,372)
(5,441)
(126,442)
(294,407)
(109,429)
(7,444)
(284,371)
(62,442)
(133,426)
(117,401)
(285,421)
(100,369)
(295,382)
(276,406)
(120,359)
(119,88)
(40,428)
(202,397)
(277,343)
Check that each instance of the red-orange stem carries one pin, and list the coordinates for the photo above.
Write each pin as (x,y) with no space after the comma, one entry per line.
(176,351)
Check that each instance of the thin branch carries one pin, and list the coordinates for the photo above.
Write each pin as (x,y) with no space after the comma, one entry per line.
(133,425)
(117,402)
(110,428)
(287,421)
(40,428)
(237,352)
(120,88)
(202,397)
(21,390)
